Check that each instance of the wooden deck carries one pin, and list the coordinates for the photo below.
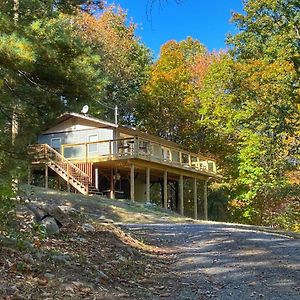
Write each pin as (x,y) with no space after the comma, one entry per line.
(138,149)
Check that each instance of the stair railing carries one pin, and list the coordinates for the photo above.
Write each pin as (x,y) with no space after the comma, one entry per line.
(43,153)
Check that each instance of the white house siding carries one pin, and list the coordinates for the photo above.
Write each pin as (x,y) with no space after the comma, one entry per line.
(73,124)
(75,131)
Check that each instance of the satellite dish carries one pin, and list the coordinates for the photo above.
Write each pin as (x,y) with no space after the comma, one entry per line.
(85,109)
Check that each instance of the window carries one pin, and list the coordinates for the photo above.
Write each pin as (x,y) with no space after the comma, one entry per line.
(93,147)
(56,143)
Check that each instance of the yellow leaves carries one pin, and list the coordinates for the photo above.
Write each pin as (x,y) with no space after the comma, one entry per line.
(265,78)
(17,51)
(109,30)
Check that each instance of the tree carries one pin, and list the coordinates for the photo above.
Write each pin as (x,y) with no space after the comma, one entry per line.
(45,68)
(258,103)
(170,92)
(124,60)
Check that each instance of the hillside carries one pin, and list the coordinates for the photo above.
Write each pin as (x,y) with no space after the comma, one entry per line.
(89,258)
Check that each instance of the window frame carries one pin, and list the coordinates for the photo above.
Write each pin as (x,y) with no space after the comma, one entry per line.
(52,144)
(93,145)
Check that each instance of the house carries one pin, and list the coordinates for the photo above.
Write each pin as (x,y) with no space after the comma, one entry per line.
(97,157)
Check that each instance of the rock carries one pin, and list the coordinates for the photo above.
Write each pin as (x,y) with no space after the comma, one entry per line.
(102,218)
(50,225)
(11,290)
(49,276)
(62,259)
(38,212)
(107,221)
(150,205)
(69,287)
(58,214)
(15,244)
(121,258)
(165,295)
(88,227)
(40,255)
(28,258)
(78,284)
(81,239)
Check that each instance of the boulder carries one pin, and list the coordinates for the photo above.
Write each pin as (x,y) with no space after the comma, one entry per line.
(58,214)
(50,225)
(38,212)
(88,227)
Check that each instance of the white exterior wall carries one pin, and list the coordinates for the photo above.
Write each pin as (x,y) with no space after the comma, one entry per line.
(75,131)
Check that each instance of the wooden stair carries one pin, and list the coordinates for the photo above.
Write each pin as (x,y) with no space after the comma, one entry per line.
(43,153)
(94,191)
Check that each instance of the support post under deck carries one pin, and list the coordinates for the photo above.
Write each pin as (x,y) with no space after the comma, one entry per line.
(112,185)
(46,176)
(132,182)
(195,199)
(205,201)
(148,185)
(181,195)
(97,178)
(165,189)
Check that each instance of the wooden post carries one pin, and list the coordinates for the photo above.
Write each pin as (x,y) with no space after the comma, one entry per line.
(46,176)
(136,145)
(198,162)
(110,152)
(132,182)
(86,152)
(160,152)
(195,199)
(165,189)
(181,195)
(112,184)
(148,185)
(171,155)
(97,178)
(68,178)
(205,200)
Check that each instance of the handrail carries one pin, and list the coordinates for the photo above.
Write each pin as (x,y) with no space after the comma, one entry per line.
(145,148)
(98,142)
(49,153)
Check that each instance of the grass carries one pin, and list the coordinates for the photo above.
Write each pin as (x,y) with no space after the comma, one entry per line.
(118,210)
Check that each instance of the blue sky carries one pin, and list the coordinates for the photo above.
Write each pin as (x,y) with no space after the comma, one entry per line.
(205,20)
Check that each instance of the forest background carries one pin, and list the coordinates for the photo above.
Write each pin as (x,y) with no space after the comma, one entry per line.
(240,106)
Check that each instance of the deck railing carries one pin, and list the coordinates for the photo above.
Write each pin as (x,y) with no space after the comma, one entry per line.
(138,148)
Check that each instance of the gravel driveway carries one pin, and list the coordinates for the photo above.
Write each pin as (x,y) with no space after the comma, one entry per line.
(218,261)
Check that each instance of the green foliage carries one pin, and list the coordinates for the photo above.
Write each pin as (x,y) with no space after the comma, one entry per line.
(40,231)
(248,112)
(255,107)
(242,107)
(169,92)
(217,202)
(124,61)
(6,205)
(46,68)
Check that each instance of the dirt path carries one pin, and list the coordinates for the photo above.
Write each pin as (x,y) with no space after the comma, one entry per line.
(215,261)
